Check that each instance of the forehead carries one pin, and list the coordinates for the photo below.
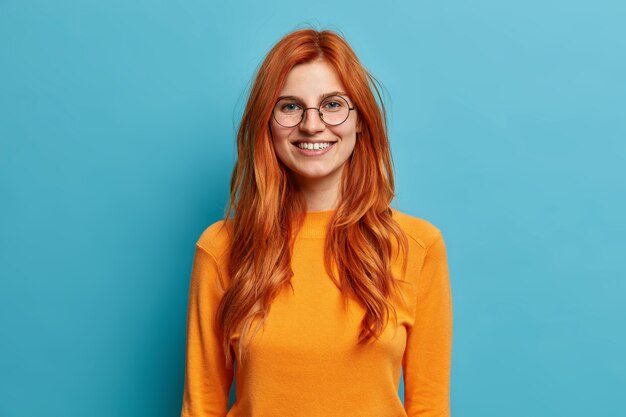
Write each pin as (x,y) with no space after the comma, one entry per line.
(311,80)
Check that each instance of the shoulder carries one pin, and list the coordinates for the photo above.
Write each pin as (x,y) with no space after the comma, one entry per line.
(419,230)
(215,239)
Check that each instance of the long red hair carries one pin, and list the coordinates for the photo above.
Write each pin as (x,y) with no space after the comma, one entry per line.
(266,208)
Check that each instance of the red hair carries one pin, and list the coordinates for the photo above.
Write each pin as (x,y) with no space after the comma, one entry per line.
(269,209)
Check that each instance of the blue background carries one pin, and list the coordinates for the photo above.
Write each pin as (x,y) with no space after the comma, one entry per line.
(117,124)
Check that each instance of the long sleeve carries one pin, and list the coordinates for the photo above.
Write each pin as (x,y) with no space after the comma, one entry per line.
(207,378)
(428,353)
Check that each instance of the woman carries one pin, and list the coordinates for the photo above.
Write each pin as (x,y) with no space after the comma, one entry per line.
(315,288)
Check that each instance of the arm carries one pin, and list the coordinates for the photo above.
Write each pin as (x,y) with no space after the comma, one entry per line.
(427,357)
(207,378)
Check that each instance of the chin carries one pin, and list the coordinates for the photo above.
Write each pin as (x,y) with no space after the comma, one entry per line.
(317,174)
(313,175)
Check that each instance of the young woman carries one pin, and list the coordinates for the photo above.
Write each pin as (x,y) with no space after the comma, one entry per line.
(313,292)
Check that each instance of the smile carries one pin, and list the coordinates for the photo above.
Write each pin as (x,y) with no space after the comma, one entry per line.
(318,145)
(313,149)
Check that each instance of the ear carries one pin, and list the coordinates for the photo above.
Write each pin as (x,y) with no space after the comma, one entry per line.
(359,124)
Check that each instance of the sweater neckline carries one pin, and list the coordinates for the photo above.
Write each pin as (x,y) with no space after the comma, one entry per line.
(315,223)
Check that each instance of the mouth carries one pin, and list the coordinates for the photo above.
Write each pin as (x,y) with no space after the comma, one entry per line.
(313,148)
(313,145)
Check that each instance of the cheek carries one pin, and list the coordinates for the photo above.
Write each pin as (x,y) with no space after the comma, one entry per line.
(347,129)
(280,135)
(346,133)
(281,144)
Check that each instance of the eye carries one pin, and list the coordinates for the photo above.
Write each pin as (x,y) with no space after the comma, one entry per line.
(289,107)
(332,105)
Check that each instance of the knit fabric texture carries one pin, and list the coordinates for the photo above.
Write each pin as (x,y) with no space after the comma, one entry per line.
(305,360)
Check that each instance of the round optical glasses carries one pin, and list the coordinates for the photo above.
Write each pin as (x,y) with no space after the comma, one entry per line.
(333,110)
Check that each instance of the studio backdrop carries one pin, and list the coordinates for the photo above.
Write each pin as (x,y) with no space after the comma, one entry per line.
(117,141)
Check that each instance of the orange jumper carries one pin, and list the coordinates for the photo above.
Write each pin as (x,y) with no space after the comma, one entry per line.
(305,361)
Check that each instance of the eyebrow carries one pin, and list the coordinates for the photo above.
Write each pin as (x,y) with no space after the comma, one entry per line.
(332,93)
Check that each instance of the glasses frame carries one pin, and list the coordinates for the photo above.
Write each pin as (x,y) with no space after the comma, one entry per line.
(319,112)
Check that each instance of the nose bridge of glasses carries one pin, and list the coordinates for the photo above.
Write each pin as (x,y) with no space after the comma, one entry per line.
(319,113)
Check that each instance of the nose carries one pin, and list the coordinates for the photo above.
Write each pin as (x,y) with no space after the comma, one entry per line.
(312,123)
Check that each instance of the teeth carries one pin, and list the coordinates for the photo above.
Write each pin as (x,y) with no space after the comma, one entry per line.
(314,146)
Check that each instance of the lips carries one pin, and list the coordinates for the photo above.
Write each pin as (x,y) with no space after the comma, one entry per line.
(312,141)
(310,151)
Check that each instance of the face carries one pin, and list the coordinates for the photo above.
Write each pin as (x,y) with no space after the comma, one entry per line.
(308,84)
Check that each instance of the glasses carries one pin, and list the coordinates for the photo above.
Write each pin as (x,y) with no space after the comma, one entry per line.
(333,110)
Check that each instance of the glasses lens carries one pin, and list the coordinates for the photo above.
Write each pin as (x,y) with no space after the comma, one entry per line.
(335,110)
(288,112)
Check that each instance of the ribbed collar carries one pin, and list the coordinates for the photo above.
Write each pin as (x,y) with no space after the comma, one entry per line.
(316,223)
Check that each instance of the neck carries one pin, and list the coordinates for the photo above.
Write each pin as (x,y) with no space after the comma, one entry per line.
(320,194)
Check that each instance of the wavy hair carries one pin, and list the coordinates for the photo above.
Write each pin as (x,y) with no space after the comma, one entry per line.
(266,208)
